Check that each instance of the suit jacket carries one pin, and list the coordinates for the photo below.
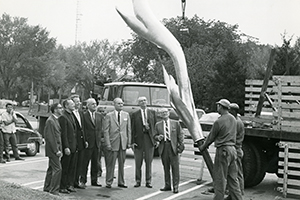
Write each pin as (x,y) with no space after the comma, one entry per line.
(79,131)
(68,131)
(93,130)
(176,134)
(138,127)
(52,137)
(115,133)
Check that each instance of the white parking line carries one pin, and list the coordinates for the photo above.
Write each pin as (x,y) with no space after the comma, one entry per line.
(31,183)
(158,192)
(9,164)
(186,191)
(39,187)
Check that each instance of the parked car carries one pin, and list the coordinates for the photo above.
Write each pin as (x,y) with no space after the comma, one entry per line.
(3,103)
(200,112)
(25,103)
(28,139)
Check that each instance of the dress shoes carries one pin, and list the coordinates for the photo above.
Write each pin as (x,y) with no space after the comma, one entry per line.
(55,193)
(19,158)
(108,186)
(228,198)
(148,185)
(71,189)
(2,161)
(80,186)
(165,189)
(175,191)
(137,185)
(211,190)
(122,186)
(64,191)
(96,184)
(7,160)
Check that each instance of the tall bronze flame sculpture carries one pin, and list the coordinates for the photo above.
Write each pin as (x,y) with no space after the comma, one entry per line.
(145,24)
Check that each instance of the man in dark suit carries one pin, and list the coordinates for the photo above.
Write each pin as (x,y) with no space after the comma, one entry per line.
(92,123)
(117,136)
(142,126)
(170,136)
(69,144)
(81,143)
(53,149)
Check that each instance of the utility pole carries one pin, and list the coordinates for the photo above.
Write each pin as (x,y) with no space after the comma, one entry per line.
(78,23)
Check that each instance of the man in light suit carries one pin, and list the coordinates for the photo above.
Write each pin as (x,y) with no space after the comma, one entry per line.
(92,124)
(69,144)
(117,136)
(170,136)
(53,149)
(143,123)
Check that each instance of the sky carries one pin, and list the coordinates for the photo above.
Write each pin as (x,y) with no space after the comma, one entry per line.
(266,20)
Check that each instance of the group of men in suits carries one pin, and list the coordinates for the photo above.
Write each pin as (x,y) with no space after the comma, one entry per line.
(74,138)
(71,138)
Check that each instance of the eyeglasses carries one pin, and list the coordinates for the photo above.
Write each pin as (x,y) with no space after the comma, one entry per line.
(59,107)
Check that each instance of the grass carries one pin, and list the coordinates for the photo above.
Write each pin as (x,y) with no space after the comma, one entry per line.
(12,191)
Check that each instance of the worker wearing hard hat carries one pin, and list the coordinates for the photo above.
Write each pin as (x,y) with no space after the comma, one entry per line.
(234,108)
(223,134)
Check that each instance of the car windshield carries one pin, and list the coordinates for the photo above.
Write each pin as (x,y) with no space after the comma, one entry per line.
(21,122)
(156,95)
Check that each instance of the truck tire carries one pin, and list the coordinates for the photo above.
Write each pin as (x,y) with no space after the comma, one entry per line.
(261,165)
(249,164)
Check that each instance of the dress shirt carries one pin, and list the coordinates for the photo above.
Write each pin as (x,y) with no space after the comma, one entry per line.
(92,116)
(7,117)
(144,116)
(76,113)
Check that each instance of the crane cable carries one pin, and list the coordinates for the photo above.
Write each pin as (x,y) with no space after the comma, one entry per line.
(183,4)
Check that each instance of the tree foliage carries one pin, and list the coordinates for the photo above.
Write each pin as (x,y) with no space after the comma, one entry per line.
(217,59)
(287,58)
(24,50)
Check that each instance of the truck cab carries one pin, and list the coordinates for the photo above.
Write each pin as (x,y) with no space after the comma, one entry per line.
(156,94)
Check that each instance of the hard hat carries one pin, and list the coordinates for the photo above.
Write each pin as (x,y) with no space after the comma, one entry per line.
(224,102)
(234,106)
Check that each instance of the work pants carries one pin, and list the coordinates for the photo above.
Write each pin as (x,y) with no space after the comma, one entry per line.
(225,170)
(240,174)
(1,145)
(10,138)
(170,161)
(53,175)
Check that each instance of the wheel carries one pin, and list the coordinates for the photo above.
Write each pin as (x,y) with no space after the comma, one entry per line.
(249,164)
(33,149)
(261,165)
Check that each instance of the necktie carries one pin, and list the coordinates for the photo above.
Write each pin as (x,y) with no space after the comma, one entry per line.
(167,131)
(93,117)
(145,118)
(119,117)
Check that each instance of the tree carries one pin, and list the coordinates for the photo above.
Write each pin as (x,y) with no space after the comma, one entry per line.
(287,58)
(88,64)
(23,50)
(213,49)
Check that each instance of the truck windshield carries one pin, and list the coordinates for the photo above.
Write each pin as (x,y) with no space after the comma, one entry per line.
(157,96)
